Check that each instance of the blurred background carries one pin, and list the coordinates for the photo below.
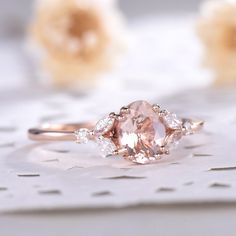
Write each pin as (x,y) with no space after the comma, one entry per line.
(15,16)
(162,31)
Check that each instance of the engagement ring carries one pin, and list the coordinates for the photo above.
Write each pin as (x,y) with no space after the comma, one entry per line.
(140,132)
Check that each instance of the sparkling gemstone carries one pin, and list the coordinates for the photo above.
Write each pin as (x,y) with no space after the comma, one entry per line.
(172,121)
(142,159)
(173,139)
(188,127)
(106,146)
(104,125)
(141,132)
(82,135)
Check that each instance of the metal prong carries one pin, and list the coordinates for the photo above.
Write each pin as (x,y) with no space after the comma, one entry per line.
(120,117)
(91,134)
(156,108)
(157,156)
(124,110)
(164,150)
(167,152)
(113,115)
(162,113)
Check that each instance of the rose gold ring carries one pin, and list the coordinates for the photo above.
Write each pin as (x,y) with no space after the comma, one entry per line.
(141,132)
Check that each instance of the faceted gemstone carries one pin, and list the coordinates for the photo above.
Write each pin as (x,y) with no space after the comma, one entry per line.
(107,147)
(82,135)
(188,127)
(172,121)
(103,125)
(173,139)
(141,131)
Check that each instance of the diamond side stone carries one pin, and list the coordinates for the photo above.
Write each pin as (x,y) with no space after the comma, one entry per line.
(172,121)
(107,147)
(104,125)
(82,135)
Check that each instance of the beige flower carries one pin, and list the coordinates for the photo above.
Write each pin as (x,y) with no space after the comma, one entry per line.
(217,30)
(79,38)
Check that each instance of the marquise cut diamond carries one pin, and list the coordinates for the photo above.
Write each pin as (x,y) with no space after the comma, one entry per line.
(172,121)
(173,139)
(188,127)
(104,125)
(106,146)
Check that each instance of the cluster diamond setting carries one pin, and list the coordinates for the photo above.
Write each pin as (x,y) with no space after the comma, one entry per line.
(141,132)
(101,132)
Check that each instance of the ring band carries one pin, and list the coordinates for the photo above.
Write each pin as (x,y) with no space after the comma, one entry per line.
(140,132)
(57,132)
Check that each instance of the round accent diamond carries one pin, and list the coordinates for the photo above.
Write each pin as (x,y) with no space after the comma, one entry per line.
(104,125)
(82,135)
(172,121)
(107,147)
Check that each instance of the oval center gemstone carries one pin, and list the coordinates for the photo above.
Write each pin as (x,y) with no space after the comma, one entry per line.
(141,131)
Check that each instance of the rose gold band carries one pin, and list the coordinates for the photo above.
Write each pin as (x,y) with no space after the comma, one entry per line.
(65,132)
(57,132)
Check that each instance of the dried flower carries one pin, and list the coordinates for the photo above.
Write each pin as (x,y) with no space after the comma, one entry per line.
(217,30)
(79,38)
